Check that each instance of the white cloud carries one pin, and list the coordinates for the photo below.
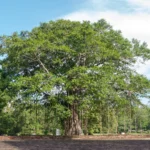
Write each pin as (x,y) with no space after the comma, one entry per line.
(133,25)
(143,68)
(96,1)
(145,4)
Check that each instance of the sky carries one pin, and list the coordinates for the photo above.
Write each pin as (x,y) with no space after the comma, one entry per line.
(132,17)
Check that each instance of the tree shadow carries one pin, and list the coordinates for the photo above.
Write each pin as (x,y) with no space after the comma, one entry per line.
(58,144)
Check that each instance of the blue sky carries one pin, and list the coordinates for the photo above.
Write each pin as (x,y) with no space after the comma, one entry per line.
(17,15)
(132,17)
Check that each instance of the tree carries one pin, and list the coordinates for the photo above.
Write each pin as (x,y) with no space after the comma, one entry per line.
(74,67)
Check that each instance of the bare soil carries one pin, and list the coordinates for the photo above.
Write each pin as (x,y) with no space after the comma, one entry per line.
(75,143)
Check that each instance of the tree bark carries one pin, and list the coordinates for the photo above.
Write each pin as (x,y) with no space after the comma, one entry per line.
(73,124)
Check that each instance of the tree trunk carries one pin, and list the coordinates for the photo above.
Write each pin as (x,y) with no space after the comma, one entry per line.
(73,124)
(124,122)
(108,121)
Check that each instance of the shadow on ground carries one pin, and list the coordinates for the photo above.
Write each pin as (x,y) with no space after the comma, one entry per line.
(75,145)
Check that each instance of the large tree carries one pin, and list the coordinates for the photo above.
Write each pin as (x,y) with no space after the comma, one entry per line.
(78,69)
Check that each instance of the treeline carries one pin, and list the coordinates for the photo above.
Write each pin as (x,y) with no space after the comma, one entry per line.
(35,119)
(73,76)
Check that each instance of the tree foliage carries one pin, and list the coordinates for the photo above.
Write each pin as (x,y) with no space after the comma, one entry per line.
(79,75)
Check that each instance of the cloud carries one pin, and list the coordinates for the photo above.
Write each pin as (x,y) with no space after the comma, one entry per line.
(143,68)
(135,24)
(143,4)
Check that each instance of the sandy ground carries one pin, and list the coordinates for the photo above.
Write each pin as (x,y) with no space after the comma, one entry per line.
(60,144)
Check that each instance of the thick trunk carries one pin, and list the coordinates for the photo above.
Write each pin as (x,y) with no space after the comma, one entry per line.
(73,124)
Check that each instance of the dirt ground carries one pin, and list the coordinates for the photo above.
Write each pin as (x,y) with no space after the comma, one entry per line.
(60,144)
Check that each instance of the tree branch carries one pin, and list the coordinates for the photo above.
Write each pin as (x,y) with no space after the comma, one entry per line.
(43,66)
